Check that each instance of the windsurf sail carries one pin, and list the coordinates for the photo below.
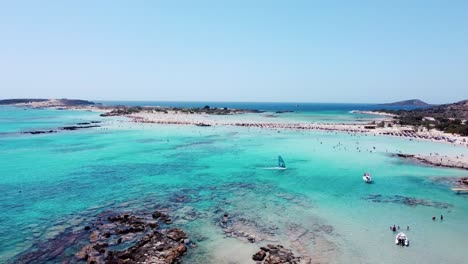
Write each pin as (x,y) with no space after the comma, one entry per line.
(281,162)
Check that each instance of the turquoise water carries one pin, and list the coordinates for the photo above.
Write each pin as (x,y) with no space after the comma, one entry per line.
(54,183)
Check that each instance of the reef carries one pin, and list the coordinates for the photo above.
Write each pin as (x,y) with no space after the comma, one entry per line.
(276,254)
(409,201)
(81,125)
(115,237)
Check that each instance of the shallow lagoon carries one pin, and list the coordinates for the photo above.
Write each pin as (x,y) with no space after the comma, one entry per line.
(319,206)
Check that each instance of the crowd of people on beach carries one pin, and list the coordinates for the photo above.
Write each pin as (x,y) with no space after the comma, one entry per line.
(351,128)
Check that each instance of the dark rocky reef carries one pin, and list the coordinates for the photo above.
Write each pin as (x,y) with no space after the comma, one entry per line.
(275,254)
(115,237)
(156,247)
(37,132)
(82,125)
(78,127)
(463,181)
(409,201)
(203,125)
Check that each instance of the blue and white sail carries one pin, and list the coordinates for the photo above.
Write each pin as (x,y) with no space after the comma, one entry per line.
(281,163)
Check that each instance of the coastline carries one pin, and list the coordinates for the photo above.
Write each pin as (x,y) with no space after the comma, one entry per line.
(183,169)
(208,117)
(458,162)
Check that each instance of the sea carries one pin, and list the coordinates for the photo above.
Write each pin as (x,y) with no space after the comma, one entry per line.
(56,183)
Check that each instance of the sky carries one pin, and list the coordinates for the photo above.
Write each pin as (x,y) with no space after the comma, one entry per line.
(257,51)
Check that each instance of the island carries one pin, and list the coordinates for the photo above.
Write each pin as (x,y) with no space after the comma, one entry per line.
(411,102)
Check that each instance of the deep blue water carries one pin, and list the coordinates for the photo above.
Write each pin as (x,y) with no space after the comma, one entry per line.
(270,106)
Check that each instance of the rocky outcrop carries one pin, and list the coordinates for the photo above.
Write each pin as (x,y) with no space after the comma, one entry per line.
(165,247)
(152,245)
(276,254)
(116,238)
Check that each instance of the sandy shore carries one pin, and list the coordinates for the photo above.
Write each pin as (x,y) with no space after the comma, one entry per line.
(241,121)
(373,113)
(177,117)
(460,162)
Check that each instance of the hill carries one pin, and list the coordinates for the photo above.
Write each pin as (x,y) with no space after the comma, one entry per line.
(450,118)
(45,102)
(411,102)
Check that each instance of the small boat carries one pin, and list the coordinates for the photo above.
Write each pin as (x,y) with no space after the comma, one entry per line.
(460,190)
(401,239)
(367,178)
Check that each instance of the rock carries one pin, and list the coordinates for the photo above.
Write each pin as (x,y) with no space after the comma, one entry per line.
(161,216)
(36,132)
(153,248)
(176,234)
(144,245)
(153,224)
(94,236)
(276,254)
(77,127)
(259,256)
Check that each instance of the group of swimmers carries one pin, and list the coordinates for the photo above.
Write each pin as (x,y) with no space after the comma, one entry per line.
(395,228)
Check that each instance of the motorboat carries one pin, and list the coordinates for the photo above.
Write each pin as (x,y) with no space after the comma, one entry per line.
(367,178)
(401,239)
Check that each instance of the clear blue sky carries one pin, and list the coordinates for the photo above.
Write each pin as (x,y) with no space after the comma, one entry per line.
(299,51)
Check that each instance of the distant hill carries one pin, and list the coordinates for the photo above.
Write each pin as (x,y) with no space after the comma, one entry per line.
(412,102)
(449,118)
(455,110)
(45,102)
(21,101)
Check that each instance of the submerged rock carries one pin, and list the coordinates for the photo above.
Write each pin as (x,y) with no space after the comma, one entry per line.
(276,254)
(138,237)
(78,127)
(408,201)
(36,132)
(153,248)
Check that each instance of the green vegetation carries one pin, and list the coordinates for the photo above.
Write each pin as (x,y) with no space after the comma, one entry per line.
(447,118)
(125,110)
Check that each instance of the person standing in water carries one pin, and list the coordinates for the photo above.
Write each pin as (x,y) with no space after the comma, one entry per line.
(441,217)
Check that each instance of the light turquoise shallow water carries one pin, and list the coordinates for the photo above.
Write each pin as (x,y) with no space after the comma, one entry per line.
(55,182)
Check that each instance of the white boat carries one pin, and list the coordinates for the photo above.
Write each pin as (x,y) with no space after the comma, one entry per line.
(367,178)
(401,239)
